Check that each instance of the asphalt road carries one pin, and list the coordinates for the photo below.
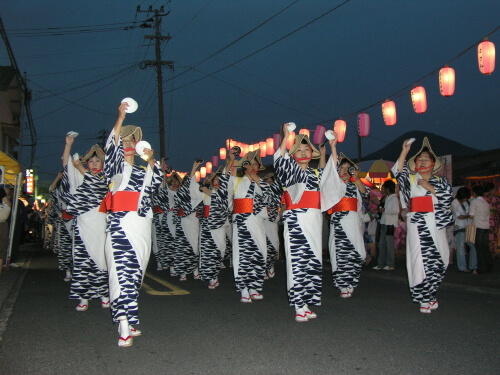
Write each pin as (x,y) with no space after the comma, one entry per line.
(188,329)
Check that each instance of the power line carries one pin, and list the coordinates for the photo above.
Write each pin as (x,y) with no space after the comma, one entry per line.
(267,46)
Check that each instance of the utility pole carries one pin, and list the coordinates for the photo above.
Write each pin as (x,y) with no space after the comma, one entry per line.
(158,64)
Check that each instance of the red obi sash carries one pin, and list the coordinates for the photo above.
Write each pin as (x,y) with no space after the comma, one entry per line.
(157,210)
(206,210)
(345,204)
(309,199)
(120,201)
(66,216)
(421,204)
(243,206)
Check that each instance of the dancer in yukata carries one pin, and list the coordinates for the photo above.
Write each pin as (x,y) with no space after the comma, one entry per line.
(303,222)
(245,195)
(213,231)
(84,190)
(159,234)
(187,252)
(63,222)
(428,198)
(273,213)
(342,184)
(128,240)
(170,219)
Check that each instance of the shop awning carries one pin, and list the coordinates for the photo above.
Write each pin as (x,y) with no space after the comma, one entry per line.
(11,168)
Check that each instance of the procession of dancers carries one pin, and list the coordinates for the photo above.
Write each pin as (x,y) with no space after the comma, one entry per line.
(109,214)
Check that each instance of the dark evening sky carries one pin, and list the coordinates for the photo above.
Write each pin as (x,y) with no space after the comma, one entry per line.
(309,64)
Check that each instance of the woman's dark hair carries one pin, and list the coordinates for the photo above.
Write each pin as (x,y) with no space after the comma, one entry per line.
(390,185)
(463,193)
(2,193)
(489,186)
(478,190)
(426,149)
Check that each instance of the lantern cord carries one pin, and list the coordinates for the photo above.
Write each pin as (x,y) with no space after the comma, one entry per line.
(405,89)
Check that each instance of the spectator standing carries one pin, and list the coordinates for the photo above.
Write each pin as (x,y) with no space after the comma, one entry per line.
(480,212)
(460,211)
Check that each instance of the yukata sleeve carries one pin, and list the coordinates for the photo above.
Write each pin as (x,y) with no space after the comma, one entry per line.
(261,196)
(151,181)
(276,191)
(65,185)
(221,195)
(113,159)
(183,197)
(287,170)
(444,195)
(332,189)
(403,179)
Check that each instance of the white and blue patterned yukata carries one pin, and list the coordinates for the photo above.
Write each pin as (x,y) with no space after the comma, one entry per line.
(346,244)
(128,241)
(187,236)
(271,225)
(213,235)
(249,238)
(427,251)
(62,237)
(159,234)
(90,271)
(302,233)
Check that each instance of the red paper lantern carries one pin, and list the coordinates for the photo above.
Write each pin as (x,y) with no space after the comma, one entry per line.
(340,127)
(229,143)
(419,99)
(305,131)
(486,57)
(244,149)
(209,167)
(389,112)
(263,149)
(447,81)
(319,134)
(290,140)
(363,124)
(215,161)
(222,153)
(270,146)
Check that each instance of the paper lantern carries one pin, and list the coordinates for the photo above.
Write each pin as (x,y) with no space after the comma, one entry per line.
(215,161)
(208,165)
(270,146)
(197,176)
(447,81)
(263,149)
(222,153)
(486,57)
(419,99)
(289,140)
(251,148)
(244,149)
(203,172)
(277,141)
(306,132)
(389,112)
(319,134)
(340,127)
(363,124)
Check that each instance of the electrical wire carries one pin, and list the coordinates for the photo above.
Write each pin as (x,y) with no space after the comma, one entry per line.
(266,46)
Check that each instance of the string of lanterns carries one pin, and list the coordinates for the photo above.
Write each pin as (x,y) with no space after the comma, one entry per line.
(486,65)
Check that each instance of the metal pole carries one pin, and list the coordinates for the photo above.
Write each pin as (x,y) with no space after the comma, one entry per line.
(13,217)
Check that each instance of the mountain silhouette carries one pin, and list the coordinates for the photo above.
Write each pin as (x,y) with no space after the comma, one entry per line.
(440,145)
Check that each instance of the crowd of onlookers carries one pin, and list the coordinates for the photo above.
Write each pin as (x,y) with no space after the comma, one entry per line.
(479,209)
